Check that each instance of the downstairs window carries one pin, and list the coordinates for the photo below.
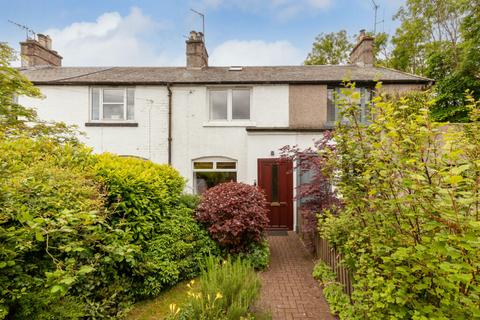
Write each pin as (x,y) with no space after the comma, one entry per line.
(209,172)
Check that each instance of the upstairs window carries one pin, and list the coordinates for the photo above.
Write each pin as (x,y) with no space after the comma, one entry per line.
(335,98)
(112,104)
(229,104)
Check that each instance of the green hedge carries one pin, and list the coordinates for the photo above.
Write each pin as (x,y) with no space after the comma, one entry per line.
(86,236)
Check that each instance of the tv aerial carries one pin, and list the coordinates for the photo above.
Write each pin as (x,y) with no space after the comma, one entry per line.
(28,31)
(375,23)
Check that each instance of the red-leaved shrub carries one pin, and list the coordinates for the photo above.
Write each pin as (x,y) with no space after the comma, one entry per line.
(235,215)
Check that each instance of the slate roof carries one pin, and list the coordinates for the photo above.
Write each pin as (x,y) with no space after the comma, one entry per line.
(217,75)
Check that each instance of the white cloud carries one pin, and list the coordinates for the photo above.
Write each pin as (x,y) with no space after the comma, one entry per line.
(282,9)
(110,40)
(255,53)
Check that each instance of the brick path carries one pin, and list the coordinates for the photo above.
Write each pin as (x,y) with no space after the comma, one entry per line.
(288,289)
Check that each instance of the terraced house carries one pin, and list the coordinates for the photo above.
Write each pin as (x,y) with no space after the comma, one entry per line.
(213,124)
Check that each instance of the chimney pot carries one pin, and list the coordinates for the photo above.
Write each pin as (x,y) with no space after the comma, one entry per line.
(362,54)
(197,55)
(39,52)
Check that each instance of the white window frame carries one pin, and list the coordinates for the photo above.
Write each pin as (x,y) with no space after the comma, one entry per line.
(101,103)
(365,101)
(214,160)
(229,104)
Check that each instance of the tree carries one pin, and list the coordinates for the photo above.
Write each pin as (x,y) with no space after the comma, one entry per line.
(335,48)
(426,26)
(330,48)
(440,39)
(17,120)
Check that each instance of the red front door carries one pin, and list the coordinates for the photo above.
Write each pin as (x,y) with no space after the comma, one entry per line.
(276,179)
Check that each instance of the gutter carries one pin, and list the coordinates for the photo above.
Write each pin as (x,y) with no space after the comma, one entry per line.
(169,123)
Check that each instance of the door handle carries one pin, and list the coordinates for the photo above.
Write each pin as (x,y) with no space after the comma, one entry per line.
(277,204)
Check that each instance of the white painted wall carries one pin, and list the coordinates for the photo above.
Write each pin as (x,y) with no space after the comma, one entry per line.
(70,104)
(193,135)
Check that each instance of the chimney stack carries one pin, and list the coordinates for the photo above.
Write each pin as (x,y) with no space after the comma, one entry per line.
(362,53)
(39,52)
(197,56)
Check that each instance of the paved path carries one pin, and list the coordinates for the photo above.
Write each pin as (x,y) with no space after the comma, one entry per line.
(288,289)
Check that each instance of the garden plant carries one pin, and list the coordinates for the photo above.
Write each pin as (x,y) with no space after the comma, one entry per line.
(83,235)
(410,221)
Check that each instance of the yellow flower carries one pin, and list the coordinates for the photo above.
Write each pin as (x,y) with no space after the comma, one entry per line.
(174,309)
(218,296)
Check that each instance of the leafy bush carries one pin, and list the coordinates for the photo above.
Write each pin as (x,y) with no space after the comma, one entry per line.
(190,201)
(139,189)
(176,253)
(338,301)
(235,215)
(411,218)
(76,238)
(52,217)
(257,254)
(226,291)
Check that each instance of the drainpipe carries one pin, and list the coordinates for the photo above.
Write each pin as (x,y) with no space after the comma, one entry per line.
(169,124)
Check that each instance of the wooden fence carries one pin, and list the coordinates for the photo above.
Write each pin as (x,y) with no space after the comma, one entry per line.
(332,258)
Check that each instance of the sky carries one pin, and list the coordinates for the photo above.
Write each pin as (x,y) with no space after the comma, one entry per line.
(153,32)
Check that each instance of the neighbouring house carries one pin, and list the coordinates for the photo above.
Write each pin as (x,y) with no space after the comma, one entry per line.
(213,124)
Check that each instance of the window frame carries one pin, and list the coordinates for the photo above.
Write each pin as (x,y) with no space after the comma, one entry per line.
(101,104)
(229,90)
(214,161)
(332,91)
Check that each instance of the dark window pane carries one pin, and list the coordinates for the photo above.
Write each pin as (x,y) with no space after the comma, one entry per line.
(226,165)
(275,183)
(330,106)
(206,180)
(113,111)
(241,104)
(95,104)
(113,95)
(218,105)
(203,165)
(130,103)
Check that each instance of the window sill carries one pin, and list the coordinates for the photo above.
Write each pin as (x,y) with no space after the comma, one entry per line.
(111,124)
(229,124)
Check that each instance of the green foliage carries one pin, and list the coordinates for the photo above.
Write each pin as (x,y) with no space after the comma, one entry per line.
(175,253)
(338,301)
(138,189)
(330,48)
(323,273)
(440,39)
(51,218)
(77,237)
(335,47)
(190,201)
(226,291)
(411,218)
(258,255)
(16,120)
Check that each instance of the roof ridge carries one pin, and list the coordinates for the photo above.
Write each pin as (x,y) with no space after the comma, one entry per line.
(82,75)
(406,73)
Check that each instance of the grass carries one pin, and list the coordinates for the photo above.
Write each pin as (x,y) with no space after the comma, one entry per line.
(158,308)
